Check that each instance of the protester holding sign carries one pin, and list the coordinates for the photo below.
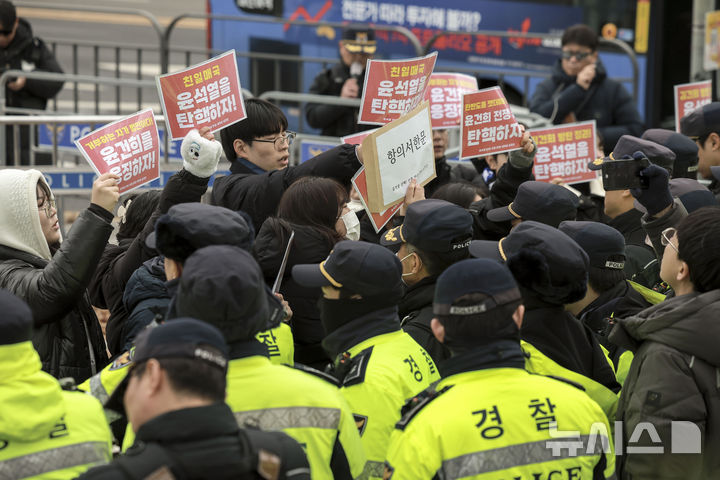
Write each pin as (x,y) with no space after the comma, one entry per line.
(516,170)
(50,274)
(258,149)
(580,90)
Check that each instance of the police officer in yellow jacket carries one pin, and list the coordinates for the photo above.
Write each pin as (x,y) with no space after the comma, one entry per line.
(551,271)
(224,286)
(378,365)
(489,418)
(45,432)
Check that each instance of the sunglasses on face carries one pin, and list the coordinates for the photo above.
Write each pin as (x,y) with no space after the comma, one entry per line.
(568,54)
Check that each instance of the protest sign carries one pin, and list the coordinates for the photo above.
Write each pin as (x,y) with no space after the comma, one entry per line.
(445,92)
(711,50)
(564,152)
(395,154)
(689,96)
(393,88)
(378,220)
(488,125)
(356,138)
(128,147)
(205,95)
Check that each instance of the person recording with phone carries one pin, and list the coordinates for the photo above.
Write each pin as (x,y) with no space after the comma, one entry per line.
(344,79)
(579,89)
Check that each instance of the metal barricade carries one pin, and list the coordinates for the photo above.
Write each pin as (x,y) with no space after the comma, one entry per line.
(304,98)
(17,120)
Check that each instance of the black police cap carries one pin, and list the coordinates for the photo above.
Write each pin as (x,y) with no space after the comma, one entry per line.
(685,150)
(180,338)
(701,121)
(604,245)
(482,276)
(433,226)
(628,145)
(541,202)
(360,267)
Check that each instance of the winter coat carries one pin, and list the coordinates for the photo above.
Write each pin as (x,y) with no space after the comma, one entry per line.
(29,53)
(67,334)
(120,261)
(309,246)
(334,120)
(146,296)
(258,195)
(673,377)
(415,311)
(606,101)
(561,337)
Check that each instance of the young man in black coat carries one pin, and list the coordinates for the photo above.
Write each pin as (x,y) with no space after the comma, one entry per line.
(259,149)
(580,90)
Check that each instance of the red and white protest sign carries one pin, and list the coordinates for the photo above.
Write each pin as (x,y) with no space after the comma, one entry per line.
(445,92)
(690,96)
(205,95)
(378,220)
(564,152)
(393,88)
(129,148)
(356,138)
(488,124)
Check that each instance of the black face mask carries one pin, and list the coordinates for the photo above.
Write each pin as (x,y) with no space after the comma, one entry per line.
(336,313)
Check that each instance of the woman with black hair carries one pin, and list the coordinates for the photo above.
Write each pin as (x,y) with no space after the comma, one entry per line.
(315,209)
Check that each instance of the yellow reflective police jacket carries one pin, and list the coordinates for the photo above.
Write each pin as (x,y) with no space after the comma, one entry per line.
(309,409)
(45,432)
(495,424)
(537,362)
(386,371)
(280,344)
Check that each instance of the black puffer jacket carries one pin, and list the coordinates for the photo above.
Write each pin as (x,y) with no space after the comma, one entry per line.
(67,334)
(146,296)
(259,195)
(606,101)
(29,52)
(309,246)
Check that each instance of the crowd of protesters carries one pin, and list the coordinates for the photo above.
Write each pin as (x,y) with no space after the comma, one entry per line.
(488,331)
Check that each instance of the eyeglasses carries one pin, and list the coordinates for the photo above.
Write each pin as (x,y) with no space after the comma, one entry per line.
(49,205)
(579,56)
(279,141)
(667,235)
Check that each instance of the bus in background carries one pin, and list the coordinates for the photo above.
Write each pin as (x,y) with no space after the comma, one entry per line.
(659,36)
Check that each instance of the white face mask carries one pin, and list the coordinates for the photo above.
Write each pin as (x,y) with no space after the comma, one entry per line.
(352,225)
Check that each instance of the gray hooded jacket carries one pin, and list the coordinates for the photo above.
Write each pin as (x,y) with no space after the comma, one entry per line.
(674,377)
